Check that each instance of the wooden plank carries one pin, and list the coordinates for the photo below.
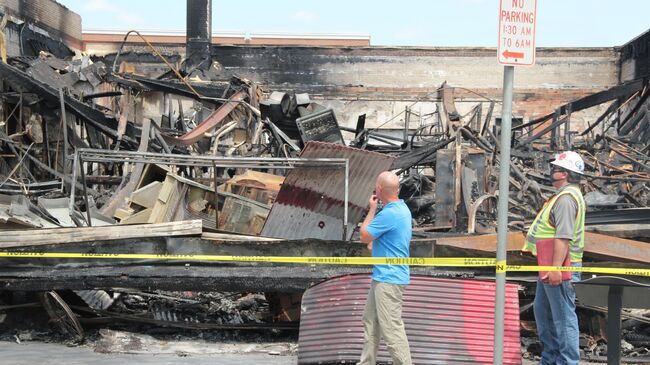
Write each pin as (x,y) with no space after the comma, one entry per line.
(237,237)
(596,245)
(616,249)
(21,238)
(146,195)
(486,242)
(141,217)
(629,231)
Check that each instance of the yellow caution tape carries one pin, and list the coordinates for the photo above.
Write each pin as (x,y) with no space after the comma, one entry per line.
(501,266)
(411,261)
(595,270)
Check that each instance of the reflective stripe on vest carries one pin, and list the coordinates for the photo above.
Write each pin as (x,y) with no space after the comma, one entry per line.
(543,229)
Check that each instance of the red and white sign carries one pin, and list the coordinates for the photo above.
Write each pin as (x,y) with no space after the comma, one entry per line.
(517,32)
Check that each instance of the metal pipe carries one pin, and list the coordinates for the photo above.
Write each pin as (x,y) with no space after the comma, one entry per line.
(223,130)
(345,200)
(64,126)
(373,133)
(75,166)
(502,213)
(95,155)
(216,197)
(83,185)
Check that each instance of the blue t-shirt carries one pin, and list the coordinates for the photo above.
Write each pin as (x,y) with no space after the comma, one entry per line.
(391,230)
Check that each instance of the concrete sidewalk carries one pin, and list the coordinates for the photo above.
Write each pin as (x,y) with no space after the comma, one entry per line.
(30,353)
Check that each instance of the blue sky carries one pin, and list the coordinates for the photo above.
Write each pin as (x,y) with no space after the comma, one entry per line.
(433,23)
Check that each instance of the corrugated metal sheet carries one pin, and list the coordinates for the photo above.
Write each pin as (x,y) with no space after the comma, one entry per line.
(310,202)
(448,321)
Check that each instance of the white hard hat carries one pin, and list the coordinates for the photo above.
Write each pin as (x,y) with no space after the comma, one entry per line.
(571,161)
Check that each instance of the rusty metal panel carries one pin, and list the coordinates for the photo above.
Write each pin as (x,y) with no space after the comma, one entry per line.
(310,202)
(448,321)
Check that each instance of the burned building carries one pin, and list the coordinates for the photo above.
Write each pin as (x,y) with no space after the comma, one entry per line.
(184,154)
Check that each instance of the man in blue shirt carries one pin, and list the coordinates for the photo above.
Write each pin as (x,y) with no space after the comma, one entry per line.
(388,234)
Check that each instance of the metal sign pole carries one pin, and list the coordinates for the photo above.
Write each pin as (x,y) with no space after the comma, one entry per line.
(502,213)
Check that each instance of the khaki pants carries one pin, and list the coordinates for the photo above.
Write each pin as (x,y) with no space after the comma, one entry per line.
(383,318)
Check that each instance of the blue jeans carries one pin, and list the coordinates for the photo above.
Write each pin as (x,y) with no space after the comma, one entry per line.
(557,321)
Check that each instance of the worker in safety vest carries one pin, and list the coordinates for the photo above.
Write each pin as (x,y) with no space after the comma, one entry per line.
(562,220)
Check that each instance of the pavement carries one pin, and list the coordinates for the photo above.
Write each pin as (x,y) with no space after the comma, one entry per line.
(31,353)
(34,352)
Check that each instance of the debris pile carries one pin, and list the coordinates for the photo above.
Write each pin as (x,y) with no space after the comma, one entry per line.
(85,144)
(449,167)
(459,192)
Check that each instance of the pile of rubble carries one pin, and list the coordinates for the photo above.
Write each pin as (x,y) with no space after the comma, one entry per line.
(84,144)
(53,107)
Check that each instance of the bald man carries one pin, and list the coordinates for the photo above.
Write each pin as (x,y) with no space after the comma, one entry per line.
(388,234)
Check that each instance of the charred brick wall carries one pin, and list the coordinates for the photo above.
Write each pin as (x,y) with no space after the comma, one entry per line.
(635,58)
(57,20)
(381,81)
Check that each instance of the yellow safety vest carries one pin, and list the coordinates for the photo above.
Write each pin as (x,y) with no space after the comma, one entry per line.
(543,229)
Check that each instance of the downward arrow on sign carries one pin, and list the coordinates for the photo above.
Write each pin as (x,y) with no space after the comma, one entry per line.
(508,54)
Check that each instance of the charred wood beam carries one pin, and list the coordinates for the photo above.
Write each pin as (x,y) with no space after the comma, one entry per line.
(618,177)
(214,90)
(488,117)
(535,121)
(126,82)
(421,155)
(614,106)
(480,143)
(635,109)
(588,101)
(103,180)
(549,128)
(101,95)
(219,276)
(639,155)
(616,92)
(288,279)
(64,127)
(633,122)
(630,159)
(284,278)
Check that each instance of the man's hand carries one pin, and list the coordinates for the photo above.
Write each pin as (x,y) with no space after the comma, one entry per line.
(369,246)
(372,203)
(554,278)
